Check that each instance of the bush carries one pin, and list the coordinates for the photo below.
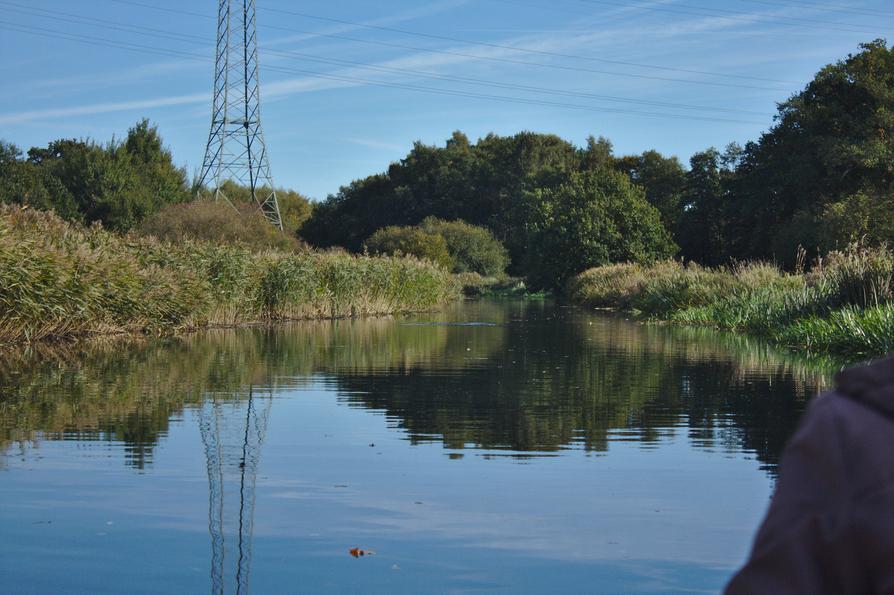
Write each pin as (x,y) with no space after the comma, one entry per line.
(218,222)
(413,241)
(294,209)
(843,305)
(473,249)
(594,219)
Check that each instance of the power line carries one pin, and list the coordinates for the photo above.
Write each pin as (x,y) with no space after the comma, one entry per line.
(491,46)
(738,15)
(356,80)
(103,23)
(857,11)
(513,48)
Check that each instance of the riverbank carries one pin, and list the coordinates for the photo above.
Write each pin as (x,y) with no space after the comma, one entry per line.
(60,280)
(844,305)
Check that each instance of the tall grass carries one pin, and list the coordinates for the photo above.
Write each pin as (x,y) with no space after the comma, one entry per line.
(59,280)
(843,305)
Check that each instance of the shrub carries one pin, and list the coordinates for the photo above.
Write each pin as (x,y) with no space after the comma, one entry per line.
(473,249)
(413,241)
(218,222)
(595,218)
(294,209)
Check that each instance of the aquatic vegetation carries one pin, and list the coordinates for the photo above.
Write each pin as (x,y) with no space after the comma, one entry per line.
(59,280)
(842,305)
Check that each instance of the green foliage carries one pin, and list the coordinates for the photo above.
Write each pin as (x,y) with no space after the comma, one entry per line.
(218,222)
(823,176)
(852,330)
(663,179)
(858,276)
(472,249)
(482,184)
(701,225)
(119,184)
(294,208)
(843,305)
(59,279)
(413,241)
(596,218)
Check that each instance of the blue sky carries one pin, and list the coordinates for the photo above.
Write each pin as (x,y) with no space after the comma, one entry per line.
(677,76)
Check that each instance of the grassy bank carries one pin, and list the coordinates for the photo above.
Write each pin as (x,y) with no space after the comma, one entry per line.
(64,280)
(844,305)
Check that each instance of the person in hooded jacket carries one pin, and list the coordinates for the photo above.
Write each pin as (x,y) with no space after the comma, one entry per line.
(830,526)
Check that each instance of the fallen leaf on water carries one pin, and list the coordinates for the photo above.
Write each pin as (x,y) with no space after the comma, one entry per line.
(358,553)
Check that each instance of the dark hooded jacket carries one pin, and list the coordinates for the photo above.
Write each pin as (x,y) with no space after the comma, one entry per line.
(830,527)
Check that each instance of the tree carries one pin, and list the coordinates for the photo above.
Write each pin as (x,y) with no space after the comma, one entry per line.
(595,218)
(663,179)
(832,144)
(118,184)
(701,226)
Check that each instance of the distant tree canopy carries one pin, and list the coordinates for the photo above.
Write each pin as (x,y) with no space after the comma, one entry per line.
(485,184)
(821,177)
(119,184)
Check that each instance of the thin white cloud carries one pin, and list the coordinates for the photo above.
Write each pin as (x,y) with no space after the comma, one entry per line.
(375,144)
(102,108)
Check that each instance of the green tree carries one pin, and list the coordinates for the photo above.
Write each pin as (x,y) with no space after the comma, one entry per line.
(472,249)
(701,229)
(832,145)
(413,241)
(663,179)
(595,218)
(118,184)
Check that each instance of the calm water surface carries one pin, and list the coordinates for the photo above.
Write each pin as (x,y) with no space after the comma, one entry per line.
(497,447)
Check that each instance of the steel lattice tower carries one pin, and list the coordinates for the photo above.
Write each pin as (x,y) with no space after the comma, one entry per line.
(236,150)
(233,431)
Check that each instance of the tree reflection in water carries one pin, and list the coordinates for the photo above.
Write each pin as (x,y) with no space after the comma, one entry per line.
(537,379)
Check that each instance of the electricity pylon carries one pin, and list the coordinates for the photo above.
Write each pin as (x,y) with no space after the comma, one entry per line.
(236,150)
(233,431)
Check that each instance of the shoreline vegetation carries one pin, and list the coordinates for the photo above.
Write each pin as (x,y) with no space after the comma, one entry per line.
(844,305)
(527,215)
(61,280)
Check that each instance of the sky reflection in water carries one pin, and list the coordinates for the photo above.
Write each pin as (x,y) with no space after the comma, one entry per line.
(515,447)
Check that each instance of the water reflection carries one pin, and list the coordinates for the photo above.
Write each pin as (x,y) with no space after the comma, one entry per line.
(443,423)
(527,378)
(232,431)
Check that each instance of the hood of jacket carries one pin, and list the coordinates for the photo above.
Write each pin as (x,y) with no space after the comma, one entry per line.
(872,385)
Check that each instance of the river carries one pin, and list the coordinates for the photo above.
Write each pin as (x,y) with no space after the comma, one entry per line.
(499,446)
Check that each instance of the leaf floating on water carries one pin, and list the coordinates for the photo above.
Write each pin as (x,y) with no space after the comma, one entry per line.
(359,553)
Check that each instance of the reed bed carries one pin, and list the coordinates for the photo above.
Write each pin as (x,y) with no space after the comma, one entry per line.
(62,280)
(845,304)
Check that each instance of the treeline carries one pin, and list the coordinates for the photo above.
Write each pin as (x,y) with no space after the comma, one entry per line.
(820,178)
(121,184)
